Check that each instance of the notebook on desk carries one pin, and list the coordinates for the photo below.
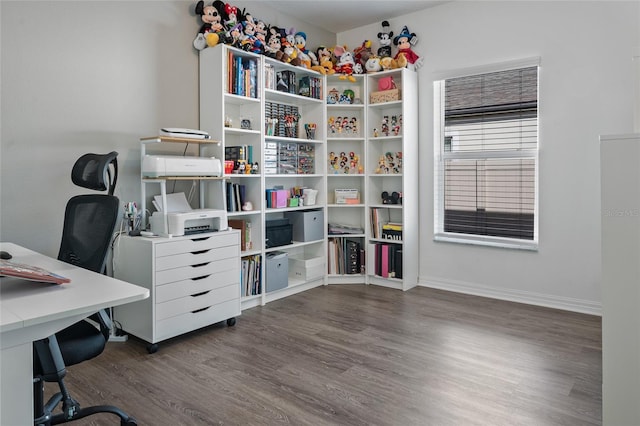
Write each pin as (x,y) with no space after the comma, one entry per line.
(30,272)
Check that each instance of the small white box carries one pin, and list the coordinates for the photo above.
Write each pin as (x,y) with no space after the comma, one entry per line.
(347,196)
(306,268)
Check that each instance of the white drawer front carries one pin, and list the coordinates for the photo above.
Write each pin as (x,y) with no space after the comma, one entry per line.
(191,304)
(196,258)
(195,271)
(178,289)
(196,243)
(184,323)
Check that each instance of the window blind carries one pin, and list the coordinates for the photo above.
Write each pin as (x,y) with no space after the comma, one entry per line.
(489,153)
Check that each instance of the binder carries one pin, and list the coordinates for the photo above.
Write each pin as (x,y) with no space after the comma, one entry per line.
(384,260)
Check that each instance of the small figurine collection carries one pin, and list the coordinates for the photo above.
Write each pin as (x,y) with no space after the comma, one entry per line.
(389,128)
(389,163)
(345,164)
(223,23)
(343,126)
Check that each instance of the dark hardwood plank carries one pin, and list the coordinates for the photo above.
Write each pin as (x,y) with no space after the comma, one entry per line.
(361,355)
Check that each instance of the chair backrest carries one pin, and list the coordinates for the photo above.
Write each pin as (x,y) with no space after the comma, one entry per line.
(96,171)
(90,219)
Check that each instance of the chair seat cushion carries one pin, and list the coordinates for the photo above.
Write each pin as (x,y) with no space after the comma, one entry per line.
(80,342)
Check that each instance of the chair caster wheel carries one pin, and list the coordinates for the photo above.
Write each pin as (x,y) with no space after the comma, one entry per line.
(152,348)
(231,322)
(129,422)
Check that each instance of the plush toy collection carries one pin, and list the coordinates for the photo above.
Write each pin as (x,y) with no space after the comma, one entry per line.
(225,23)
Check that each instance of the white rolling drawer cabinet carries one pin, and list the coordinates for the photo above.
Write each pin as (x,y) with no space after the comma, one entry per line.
(194,281)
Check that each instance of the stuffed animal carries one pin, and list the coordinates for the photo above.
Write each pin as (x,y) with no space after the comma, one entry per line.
(300,43)
(373,64)
(289,52)
(211,17)
(362,53)
(325,65)
(249,41)
(384,37)
(230,16)
(345,63)
(403,41)
(261,32)
(388,63)
(273,46)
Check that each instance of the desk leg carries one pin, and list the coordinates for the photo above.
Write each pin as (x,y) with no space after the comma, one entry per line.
(16,385)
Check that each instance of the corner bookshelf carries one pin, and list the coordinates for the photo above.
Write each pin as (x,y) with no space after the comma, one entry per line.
(391,167)
(346,180)
(336,160)
(239,95)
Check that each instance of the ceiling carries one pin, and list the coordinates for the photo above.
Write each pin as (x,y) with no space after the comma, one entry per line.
(337,16)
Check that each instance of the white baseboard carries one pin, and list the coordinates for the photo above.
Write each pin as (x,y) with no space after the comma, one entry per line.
(520,296)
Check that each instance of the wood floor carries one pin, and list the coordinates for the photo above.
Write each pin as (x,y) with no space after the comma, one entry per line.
(361,355)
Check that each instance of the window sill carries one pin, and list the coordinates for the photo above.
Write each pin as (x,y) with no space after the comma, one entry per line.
(508,243)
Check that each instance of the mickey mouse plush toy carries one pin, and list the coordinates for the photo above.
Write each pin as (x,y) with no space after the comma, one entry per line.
(384,38)
(211,16)
(404,42)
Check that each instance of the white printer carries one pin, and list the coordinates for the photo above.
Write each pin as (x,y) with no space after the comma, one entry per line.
(176,165)
(188,222)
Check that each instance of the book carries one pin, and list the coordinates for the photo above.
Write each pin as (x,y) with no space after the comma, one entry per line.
(242,226)
(30,272)
(384,260)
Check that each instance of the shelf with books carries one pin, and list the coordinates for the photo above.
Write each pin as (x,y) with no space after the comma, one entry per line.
(392,178)
(346,180)
(346,256)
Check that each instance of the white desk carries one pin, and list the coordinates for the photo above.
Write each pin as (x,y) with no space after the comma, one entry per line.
(31,311)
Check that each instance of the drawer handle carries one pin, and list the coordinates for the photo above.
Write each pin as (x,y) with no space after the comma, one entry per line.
(200,294)
(200,310)
(200,278)
(200,265)
(199,252)
(200,239)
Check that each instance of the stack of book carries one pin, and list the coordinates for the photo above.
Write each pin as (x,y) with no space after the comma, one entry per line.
(239,153)
(244,226)
(242,75)
(392,231)
(346,256)
(236,196)
(310,87)
(388,260)
(250,275)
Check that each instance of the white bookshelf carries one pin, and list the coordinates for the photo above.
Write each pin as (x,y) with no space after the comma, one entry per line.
(217,106)
(403,180)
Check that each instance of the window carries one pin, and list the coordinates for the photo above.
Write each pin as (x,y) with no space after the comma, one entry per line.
(486,157)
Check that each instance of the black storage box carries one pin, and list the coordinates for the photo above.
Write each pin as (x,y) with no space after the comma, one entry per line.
(279,233)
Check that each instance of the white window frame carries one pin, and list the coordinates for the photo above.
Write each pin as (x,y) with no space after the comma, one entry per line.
(440,156)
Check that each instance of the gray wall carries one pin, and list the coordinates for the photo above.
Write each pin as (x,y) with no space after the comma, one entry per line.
(586,89)
(94,76)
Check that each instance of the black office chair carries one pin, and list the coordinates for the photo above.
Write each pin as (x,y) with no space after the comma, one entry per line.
(89,222)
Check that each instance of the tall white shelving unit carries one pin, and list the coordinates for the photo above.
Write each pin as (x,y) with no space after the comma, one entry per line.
(402,179)
(219,107)
(346,153)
